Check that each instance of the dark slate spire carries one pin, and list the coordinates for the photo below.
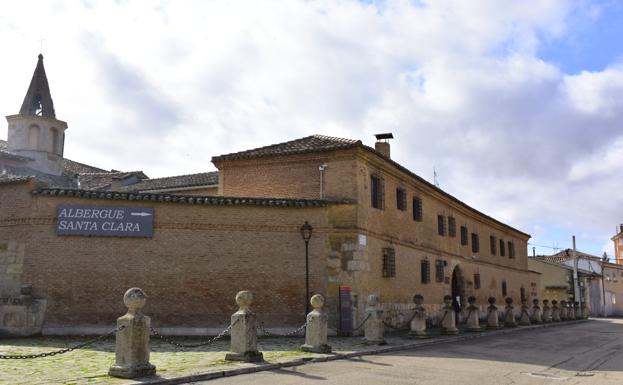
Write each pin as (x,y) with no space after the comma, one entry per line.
(38,101)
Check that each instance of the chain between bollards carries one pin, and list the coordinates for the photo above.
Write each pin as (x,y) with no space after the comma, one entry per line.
(362,323)
(208,342)
(61,351)
(261,328)
(405,324)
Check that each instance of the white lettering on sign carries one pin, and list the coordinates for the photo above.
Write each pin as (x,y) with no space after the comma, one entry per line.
(104,221)
(91,213)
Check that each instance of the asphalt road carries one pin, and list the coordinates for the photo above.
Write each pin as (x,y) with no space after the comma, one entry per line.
(587,353)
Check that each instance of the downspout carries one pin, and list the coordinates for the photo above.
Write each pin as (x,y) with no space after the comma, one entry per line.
(321,168)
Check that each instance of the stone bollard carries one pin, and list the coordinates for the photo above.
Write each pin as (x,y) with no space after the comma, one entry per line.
(547,312)
(243,346)
(418,323)
(373,328)
(473,315)
(524,317)
(555,311)
(563,311)
(448,319)
(493,316)
(132,339)
(535,318)
(570,311)
(509,314)
(316,329)
(578,311)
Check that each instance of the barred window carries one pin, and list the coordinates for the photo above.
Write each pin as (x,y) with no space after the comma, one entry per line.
(475,243)
(441,225)
(377,189)
(504,291)
(425,271)
(511,249)
(439,273)
(389,262)
(464,235)
(502,249)
(401,199)
(477,281)
(417,209)
(452,227)
(493,243)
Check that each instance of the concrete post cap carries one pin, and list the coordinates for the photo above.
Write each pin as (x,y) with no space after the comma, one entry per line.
(134,298)
(373,300)
(418,299)
(317,301)
(244,299)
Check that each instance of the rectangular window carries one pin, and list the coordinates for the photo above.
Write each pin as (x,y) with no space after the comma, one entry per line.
(504,290)
(511,249)
(464,235)
(452,227)
(441,225)
(389,263)
(502,249)
(401,199)
(417,209)
(425,271)
(493,243)
(475,243)
(377,189)
(477,281)
(439,270)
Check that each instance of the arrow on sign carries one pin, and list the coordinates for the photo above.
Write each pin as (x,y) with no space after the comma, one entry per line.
(141,214)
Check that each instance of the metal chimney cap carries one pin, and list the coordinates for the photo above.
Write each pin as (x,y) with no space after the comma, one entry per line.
(387,135)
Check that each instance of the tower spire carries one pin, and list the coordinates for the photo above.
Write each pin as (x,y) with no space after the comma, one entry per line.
(38,101)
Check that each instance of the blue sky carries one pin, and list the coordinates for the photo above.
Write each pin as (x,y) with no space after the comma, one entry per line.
(518,107)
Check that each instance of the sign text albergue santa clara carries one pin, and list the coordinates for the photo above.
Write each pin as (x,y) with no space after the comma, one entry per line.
(104,221)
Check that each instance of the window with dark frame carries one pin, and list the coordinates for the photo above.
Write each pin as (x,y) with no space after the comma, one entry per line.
(464,235)
(493,244)
(452,227)
(439,273)
(425,271)
(475,243)
(401,199)
(417,209)
(377,189)
(389,263)
(504,290)
(477,281)
(441,225)
(502,248)
(511,249)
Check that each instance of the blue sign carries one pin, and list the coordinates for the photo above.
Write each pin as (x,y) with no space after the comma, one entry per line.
(104,221)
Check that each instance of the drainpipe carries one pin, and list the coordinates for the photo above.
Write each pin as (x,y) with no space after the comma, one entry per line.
(321,168)
(576,284)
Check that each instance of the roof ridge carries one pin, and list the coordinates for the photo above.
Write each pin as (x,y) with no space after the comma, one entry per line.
(181,175)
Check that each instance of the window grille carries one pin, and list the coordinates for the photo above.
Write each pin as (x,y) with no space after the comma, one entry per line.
(477,281)
(389,263)
(441,225)
(425,271)
(452,227)
(464,235)
(401,199)
(439,273)
(493,243)
(502,250)
(511,249)
(377,189)
(475,243)
(417,209)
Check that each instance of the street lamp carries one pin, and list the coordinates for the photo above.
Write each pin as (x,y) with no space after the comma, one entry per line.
(306,233)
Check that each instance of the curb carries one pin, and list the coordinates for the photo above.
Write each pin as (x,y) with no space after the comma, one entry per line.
(344,356)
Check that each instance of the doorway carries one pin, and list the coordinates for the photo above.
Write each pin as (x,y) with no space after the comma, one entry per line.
(458,289)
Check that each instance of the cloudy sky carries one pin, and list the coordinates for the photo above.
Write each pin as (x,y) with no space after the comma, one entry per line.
(517,105)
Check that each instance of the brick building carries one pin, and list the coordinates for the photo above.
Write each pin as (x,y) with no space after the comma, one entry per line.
(618,245)
(377,228)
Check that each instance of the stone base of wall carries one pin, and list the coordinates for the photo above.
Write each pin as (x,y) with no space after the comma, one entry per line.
(21,317)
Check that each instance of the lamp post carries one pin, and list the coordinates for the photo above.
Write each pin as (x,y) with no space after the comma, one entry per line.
(306,233)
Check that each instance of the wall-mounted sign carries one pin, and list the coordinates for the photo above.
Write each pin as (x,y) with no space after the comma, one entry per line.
(104,221)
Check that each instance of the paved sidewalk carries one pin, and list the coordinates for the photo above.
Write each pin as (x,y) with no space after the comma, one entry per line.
(90,365)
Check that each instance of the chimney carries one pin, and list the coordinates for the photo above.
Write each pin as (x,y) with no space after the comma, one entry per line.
(382,143)
(621,228)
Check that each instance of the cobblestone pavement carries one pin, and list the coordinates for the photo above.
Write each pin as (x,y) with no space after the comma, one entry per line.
(90,365)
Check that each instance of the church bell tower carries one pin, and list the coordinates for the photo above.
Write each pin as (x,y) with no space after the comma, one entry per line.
(35,132)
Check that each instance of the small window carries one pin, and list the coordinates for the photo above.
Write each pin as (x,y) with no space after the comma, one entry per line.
(401,199)
(417,209)
(464,235)
(502,249)
(522,294)
(441,225)
(475,243)
(389,263)
(493,243)
(377,189)
(504,290)
(511,249)
(452,227)
(439,273)
(54,142)
(477,281)
(425,271)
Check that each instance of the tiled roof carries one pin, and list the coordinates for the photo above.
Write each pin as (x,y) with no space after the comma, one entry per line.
(187,199)
(173,182)
(314,143)
(12,178)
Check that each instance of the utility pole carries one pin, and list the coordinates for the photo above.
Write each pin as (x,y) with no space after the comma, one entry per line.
(576,285)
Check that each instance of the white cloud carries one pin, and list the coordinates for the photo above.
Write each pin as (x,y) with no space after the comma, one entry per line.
(164,86)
